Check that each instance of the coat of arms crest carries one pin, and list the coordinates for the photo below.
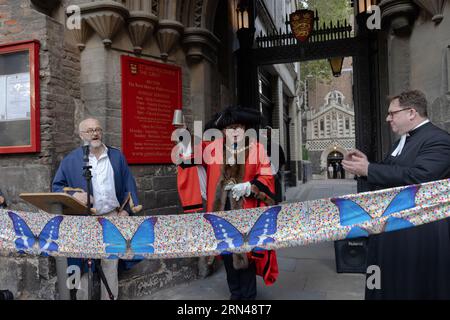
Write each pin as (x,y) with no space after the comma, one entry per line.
(133,68)
(302,24)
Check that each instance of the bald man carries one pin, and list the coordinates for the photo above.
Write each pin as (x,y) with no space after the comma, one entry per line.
(113,186)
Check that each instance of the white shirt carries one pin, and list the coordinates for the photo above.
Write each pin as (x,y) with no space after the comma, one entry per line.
(402,142)
(202,180)
(103,183)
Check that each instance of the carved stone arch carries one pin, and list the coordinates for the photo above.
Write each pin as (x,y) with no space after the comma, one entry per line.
(210,13)
(199,40)
(332,92)
(198,13)
(327,151)
(184,12)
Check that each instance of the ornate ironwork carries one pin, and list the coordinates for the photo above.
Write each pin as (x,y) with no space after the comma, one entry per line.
(325,41)
(321,33)
(309,51)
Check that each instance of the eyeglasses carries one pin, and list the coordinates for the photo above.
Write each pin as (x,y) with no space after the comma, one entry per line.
(391,113)
(92,131)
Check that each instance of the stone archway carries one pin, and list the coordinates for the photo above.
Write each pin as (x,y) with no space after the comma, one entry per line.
(207,94)
(325,154)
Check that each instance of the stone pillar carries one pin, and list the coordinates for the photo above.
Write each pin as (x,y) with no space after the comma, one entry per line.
(296,138)
(201,53)
(277,117)
(140,27)
(398,16)
(105,17)
(169,32)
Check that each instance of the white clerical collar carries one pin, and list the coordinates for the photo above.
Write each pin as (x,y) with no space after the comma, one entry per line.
(421,124)
(402,142)
(400,146)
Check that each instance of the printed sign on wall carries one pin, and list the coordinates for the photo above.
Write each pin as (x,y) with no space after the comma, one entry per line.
(150,93)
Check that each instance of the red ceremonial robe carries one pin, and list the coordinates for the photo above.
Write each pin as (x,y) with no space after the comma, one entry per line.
(188,183)
(258,172)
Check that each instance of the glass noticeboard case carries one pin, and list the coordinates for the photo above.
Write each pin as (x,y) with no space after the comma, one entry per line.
(19,97)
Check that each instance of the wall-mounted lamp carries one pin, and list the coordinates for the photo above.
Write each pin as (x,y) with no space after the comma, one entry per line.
(246,30)
(242,11)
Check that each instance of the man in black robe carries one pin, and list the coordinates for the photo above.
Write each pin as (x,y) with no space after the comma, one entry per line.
(414,263)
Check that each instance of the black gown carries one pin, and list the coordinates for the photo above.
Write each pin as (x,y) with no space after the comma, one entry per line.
(414,263)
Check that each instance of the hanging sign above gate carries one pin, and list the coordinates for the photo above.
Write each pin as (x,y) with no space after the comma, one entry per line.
(302,24)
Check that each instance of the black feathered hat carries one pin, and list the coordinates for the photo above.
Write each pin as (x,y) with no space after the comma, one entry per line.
(251,118)
(211,124)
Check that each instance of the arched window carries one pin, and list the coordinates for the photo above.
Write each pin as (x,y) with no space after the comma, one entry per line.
(334,96)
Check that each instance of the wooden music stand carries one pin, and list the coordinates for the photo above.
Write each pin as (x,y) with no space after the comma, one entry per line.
(56,203)
(61,204)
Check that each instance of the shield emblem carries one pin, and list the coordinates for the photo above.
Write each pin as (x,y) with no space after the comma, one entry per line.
(133,68)
(302,24)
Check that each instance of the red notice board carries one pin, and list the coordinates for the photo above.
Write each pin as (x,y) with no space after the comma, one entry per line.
(19,97)
(151,92)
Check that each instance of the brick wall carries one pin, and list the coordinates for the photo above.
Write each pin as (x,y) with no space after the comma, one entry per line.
(70,90)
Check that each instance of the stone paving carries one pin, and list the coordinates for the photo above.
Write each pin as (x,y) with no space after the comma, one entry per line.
(306,273)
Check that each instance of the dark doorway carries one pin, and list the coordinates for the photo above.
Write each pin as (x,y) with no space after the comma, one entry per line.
(334,165)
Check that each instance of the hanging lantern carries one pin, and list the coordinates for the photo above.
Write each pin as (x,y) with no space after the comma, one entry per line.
(336,65)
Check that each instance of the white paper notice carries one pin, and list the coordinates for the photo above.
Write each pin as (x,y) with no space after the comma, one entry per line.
(2,98)
(18,96)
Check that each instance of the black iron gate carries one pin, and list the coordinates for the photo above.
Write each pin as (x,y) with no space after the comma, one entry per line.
(326,41)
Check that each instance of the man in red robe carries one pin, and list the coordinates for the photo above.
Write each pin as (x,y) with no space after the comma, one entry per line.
(234,184)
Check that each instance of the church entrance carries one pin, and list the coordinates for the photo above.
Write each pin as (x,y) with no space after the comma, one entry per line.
(334,165)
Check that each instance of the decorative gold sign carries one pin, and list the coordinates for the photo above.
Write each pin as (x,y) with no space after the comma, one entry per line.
(302,24)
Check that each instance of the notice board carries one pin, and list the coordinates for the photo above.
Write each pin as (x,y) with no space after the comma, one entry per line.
(151,92)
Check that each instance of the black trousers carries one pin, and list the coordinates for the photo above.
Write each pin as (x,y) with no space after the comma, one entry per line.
(242,283)
(414,263)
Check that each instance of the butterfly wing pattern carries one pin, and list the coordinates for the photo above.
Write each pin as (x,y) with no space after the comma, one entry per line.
(228,235)
(48,236)
(143,238)
(394,223)
(115,243)
(357,232)
(406,199)
(264,227)
(351,213)
(26,239)
(141,242)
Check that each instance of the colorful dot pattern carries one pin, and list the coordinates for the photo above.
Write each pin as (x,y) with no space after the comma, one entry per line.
(190,235)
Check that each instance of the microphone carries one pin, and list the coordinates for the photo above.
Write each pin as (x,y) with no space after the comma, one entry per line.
(86,151)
